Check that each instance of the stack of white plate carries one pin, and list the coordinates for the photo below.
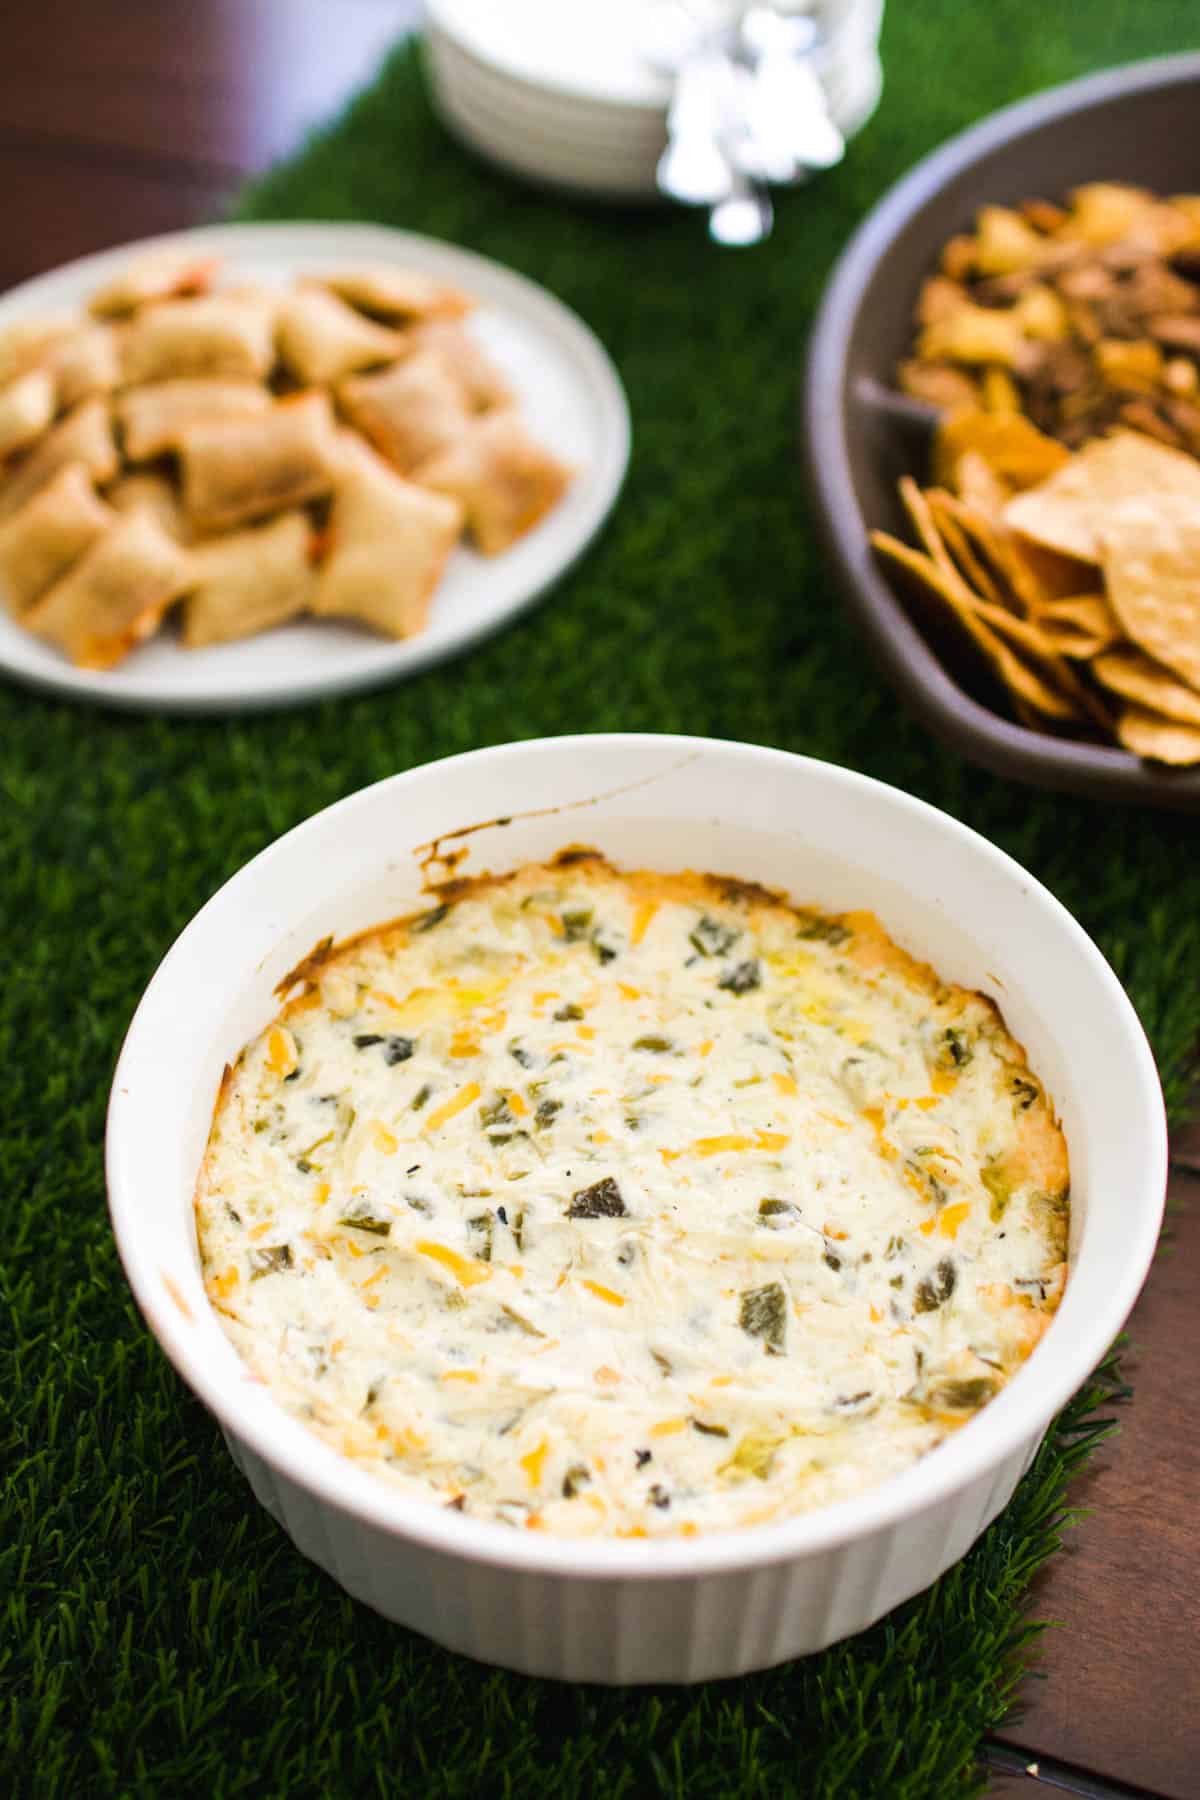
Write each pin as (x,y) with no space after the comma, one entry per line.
(557,90)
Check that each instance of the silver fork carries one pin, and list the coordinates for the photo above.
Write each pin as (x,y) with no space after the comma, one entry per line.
(747,109)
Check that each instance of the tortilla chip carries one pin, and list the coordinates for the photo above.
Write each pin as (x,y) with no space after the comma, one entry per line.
(1019,678)
(1070,509)
(979,486)
(1025,634)
(1083,612)
(1024,683)
(1158,739)
(917,506)
(957,542)
(1051,575)
(1033,576)
(1151,559)
(1135,677)
(1080,626)
(1009,444)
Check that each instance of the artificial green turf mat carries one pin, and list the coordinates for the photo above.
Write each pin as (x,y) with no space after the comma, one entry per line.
(162,1636)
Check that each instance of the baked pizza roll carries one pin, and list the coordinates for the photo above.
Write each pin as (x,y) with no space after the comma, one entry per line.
(482,384)
(85,364)
(505,481)
(158,275)
(397,295)
(115,595)
(219,335)
(26,343)
(153,418)
(409,412)
(249,581)
(240,469)
(26,409)
(156,495)
(320,338)
(85,435)
(51,531)
(390,541)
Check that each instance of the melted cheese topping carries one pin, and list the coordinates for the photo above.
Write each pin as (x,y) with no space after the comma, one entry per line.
(632,1204)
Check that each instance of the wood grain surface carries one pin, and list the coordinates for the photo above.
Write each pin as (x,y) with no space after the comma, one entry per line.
(120,118)
(1118,1689)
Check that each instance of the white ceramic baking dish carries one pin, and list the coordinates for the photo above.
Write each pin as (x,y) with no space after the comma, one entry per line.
(633,1611)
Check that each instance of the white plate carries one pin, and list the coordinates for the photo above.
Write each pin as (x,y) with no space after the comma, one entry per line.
(569,393)
(588,52)
(606,128)
(530,147)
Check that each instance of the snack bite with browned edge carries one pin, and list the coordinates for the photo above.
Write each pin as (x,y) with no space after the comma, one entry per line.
(187,442)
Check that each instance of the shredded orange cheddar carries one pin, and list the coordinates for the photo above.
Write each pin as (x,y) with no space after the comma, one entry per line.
(386,999)
(786,1084)
(713,1146)
(916,1182)
(281,1051)
(464,1268)
(951,1217)
(603,1293)
(384,1140)
(643,913)
(668,1428)
(456,1104)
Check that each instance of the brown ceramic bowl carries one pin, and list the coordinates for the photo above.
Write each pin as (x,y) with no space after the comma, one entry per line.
(1137,123)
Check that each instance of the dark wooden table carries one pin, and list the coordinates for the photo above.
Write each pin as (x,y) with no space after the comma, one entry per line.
(119,118)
